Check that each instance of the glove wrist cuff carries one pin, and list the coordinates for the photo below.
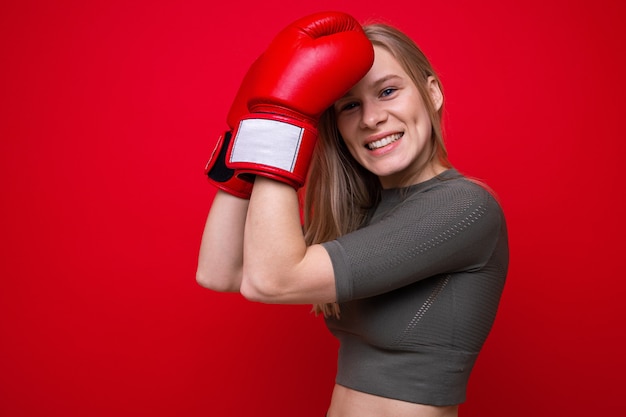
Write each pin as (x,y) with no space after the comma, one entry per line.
(274,144)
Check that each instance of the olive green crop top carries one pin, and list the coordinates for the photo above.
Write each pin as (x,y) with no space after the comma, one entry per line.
(418,287)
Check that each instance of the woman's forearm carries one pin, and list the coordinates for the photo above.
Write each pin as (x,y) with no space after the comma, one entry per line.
(220,262)
(279,267)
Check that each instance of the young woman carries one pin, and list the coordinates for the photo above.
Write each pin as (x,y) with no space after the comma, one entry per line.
(405,256)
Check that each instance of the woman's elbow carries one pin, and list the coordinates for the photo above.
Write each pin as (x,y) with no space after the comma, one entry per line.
(214,282)
(256,288)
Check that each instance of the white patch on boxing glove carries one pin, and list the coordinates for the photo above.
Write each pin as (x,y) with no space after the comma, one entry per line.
(267,142)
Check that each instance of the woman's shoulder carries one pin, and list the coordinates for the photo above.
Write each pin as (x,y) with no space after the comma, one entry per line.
(447,195)
(455,184)
(454,191)
(470,185)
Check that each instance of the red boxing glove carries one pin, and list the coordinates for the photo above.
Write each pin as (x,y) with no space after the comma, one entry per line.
(219,174)
(222,176)
(310,64)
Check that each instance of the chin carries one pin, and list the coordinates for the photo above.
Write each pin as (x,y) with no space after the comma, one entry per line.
(390,169)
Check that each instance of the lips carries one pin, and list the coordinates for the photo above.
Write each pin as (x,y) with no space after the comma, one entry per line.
(380,143)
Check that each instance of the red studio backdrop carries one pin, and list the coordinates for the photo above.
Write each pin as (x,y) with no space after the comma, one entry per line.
(109,111)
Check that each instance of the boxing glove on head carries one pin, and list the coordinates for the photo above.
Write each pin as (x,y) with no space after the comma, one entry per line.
(307,67)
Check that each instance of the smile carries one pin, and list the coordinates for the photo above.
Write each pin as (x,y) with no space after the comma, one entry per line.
(384,141)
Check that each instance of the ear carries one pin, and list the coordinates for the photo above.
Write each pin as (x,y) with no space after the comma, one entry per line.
(432,85)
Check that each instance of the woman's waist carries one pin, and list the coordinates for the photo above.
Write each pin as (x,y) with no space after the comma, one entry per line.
(348,402)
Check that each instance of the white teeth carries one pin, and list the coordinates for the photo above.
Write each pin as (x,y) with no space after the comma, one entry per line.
(384,141)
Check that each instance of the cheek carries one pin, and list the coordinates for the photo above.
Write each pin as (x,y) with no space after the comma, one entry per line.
(421,123)
(342,126)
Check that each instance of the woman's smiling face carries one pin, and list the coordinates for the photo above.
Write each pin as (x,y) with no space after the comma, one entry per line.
(386,126)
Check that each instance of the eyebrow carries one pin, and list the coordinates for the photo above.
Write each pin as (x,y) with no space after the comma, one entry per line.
(384,79)
(376,84)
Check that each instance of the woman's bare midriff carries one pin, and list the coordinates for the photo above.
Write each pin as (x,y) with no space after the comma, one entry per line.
(349,403)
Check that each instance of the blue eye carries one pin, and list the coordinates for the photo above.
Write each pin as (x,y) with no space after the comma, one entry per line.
(387,91)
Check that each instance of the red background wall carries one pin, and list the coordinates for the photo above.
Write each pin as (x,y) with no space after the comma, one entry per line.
(108,113)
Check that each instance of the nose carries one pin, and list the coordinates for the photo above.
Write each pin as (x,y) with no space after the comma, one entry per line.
(372,114)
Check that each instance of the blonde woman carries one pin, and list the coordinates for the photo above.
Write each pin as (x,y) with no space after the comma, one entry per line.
(405,257)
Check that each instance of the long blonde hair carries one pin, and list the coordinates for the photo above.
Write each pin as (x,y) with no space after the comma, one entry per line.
(339,192)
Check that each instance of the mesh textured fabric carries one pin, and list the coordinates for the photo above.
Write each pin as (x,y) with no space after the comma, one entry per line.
(419,287)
